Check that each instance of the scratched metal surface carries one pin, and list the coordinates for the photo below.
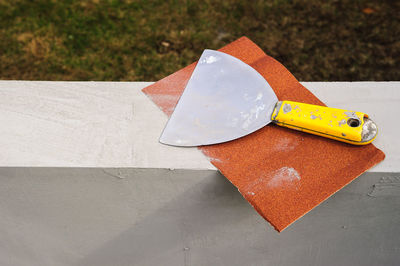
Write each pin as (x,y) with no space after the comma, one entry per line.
(83,216)
(224,99)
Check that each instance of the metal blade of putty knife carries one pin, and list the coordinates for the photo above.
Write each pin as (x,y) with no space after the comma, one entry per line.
(224,99)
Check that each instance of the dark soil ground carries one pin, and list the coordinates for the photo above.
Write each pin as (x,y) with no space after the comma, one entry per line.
(142,40)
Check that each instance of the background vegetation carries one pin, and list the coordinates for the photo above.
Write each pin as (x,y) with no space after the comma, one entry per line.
(141,40)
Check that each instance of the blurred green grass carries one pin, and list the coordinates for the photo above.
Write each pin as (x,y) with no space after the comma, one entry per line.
(147,40)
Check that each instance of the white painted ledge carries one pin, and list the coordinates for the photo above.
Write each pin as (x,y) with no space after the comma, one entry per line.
(113,124)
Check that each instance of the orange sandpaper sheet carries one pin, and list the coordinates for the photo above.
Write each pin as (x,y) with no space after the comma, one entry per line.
(283,173)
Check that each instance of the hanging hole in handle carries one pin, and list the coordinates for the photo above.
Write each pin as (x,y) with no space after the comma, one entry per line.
(352,122)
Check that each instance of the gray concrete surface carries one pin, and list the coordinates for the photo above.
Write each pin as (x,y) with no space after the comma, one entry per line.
(82,216)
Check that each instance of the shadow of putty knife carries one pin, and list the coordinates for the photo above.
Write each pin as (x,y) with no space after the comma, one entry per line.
(226,99)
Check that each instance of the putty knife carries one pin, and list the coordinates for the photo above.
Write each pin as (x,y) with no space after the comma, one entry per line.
(226,99)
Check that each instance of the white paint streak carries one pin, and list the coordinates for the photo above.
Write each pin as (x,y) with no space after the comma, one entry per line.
(252,116)
(210,59)
(285,176)
(285,144)
(212,159)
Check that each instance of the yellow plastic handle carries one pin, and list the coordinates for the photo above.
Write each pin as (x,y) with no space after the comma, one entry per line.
(343,125)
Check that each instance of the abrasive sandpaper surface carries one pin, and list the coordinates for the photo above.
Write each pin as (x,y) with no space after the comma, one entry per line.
(283,173)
